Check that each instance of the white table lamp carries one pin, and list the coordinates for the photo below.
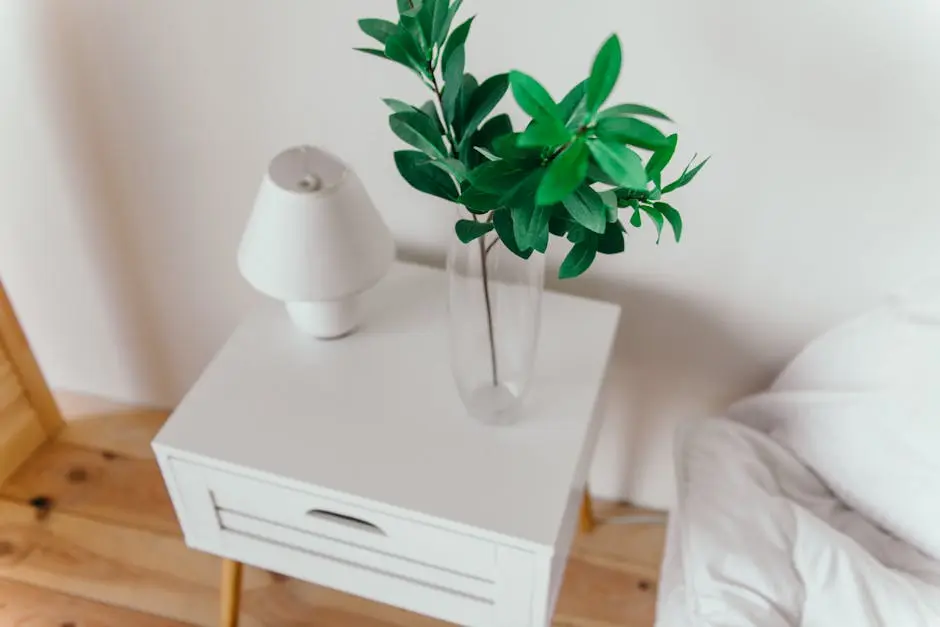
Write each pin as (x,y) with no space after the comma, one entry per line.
(315,241)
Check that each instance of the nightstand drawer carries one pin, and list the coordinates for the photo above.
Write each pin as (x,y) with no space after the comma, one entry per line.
(272,512)
(431,599)
(415,566)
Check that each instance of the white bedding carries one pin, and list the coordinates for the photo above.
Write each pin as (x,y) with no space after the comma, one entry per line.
(758,540)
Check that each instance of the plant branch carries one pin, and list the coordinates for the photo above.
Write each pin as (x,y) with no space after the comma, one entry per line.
(490,246)
(489,308)
(439,94)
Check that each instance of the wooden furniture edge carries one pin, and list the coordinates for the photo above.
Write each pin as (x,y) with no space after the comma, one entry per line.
(587,520)
(18,350)
(21,435)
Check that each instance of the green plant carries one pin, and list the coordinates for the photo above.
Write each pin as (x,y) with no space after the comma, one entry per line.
(569,173)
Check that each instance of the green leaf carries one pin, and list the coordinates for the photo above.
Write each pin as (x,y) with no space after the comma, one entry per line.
(453,84)
(469,230)
(469,88)
(657,217)
(558,226)
(577,233)
(454,167)
(572,108)
(418,170)
(478,201)
(612,241)
(438,12)
(610,202)
(629,197)
(502,220)
(418,130)
(613,214)
(623,165)
(532,97)
(523,194)
(377,29)
(564,175)
(372,51)
(489,156)
(660,159)
(547,133)
(414,21)
(494,127)
(636,219)
(430,110)
(427,108)
(498,177)
(483,101)
(631,131)
(398,106)
(402,49)
(425,19)
(634,109)
(686,177)
(596,175)
(506,148)
(604,74)
(530,227)
(672,216)
(483,140)
(448,21)
(579,259)
(587,208)
(454,43)
(405,6)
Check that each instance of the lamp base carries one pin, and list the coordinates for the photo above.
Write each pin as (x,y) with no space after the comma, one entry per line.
(326,319)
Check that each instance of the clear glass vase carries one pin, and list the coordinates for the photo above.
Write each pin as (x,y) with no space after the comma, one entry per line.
(494,316)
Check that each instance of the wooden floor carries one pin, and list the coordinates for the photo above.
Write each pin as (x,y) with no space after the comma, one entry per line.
(88,539)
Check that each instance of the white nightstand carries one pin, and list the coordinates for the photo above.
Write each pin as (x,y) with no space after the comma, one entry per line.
(353,464)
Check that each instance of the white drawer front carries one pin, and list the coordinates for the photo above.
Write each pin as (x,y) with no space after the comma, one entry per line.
(417,567)
(350,553)
(349,524)
(429,600)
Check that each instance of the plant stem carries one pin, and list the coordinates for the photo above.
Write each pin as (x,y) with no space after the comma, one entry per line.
(491,244)
(565,147)
(489,313)
(439,94)
(494,369)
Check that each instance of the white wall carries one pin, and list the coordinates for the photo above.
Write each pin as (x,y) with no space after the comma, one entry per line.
(135,133)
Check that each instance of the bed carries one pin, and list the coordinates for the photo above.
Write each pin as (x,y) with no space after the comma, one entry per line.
(817,502)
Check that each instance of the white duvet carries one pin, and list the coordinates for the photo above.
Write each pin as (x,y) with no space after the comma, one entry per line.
(758,540)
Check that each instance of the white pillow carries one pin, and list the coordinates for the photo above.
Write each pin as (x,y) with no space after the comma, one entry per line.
(861,407)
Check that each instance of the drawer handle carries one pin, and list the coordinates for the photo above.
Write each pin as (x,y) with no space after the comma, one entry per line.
(343,519)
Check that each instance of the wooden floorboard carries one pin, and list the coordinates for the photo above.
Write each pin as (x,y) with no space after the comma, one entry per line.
(108,534)
(99,484)
(138,429)
(28,606)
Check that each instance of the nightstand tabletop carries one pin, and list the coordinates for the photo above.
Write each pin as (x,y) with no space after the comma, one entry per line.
(375,417)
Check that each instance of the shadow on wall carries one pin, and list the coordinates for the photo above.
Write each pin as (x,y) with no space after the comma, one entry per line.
(105,231)
(672,361)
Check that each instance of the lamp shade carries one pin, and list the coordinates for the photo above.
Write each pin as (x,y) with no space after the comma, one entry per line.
(314,234)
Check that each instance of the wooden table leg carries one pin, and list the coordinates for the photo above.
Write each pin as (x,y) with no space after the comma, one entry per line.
(587,513)
(230,594)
